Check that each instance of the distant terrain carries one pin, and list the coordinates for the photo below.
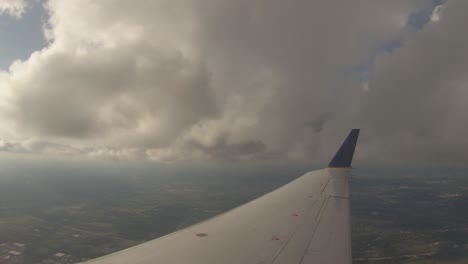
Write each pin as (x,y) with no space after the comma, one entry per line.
(416,215)
(74,212)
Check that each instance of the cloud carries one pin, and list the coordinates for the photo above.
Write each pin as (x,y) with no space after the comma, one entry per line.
(14,8)
(416,106)
(209,80)
(435,16)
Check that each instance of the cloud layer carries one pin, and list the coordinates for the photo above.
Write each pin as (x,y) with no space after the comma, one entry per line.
(234,80)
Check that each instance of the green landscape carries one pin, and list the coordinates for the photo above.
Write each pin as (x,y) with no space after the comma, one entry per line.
(55,216)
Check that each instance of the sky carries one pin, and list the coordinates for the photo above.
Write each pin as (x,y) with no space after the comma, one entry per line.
(234,80)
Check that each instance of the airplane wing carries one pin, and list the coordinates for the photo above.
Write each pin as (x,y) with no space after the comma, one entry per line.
(305,221)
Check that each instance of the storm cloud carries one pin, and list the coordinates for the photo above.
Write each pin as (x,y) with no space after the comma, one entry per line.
(418,98)
(234,80)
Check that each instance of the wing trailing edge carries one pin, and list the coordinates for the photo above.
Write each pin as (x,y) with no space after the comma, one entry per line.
(344,155)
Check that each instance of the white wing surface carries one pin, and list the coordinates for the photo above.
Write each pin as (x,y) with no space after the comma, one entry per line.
(305,221)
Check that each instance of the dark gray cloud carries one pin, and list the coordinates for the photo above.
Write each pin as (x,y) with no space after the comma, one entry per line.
(223,150)
(416,107)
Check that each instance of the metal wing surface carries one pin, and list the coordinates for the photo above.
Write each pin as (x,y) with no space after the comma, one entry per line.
(305,221)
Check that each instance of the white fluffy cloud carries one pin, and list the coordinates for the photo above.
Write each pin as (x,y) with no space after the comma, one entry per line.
(210,79)
(14,8)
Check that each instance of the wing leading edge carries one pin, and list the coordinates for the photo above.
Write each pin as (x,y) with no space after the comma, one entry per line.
(305,221)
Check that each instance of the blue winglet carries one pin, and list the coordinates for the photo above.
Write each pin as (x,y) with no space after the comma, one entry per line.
(344,156)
